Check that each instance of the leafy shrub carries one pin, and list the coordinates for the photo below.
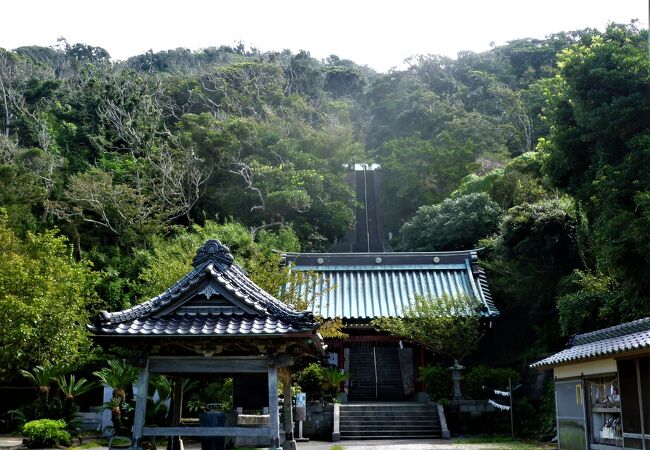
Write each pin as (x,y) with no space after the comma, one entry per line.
(332,379)
(218,391)
(491,378)
(438,382)
(46,433)
(310,379)
(546,413)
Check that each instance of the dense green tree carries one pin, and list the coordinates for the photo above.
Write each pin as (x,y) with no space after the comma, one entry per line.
(45,297)
(598,150)
(537,246)
(170,259)
(416,172)
(125,156)
(453,224)
(449,326)
(519,181)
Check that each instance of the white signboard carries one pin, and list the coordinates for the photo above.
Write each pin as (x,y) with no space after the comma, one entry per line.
(301,400)
(301,406)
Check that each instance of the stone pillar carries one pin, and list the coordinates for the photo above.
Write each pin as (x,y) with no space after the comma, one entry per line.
(106,413)
(274,420)
(289,443)
(140,406)
(457,377)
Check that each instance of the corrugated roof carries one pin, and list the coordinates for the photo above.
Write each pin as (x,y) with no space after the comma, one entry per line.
(608,341)
(371,285)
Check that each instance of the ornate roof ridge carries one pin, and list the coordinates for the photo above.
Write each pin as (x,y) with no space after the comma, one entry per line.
(213,251)
(214,260)
(380,259)
(388,254)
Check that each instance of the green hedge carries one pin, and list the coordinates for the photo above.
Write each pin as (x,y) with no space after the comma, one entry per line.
(310,379)
(438,382)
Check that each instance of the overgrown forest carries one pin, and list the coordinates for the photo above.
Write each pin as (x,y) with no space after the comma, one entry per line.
(111,173)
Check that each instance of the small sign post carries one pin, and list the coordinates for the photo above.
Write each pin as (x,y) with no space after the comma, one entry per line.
(301,414)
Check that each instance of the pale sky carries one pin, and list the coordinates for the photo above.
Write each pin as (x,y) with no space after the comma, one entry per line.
(378,33)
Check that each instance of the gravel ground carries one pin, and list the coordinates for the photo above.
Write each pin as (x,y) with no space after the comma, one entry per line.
(14,443)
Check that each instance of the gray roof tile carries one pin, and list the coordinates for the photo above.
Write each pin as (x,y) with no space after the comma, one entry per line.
(215,264)
(202,325)
(608,341)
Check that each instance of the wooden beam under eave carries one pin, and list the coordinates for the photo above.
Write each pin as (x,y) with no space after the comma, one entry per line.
(208,365)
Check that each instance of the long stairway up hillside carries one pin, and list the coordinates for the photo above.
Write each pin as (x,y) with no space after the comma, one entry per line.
(389,420)
(368,229)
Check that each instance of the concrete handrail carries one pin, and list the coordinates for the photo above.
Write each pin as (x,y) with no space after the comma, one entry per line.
(336,432)
(443,422)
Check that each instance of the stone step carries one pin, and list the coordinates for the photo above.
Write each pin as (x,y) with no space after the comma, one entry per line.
(400,409)
(387,437)
(392,435)
(388,426)
(384,431)
(388,418)
(388,415)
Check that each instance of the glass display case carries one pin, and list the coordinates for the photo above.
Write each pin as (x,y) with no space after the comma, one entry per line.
(604,413)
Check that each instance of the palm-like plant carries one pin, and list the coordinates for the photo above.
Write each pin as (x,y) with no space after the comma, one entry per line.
(333,378)
(163,385)
(118,376)
(42,377)
(71,388)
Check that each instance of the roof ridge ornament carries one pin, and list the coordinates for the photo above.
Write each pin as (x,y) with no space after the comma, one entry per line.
(213,251)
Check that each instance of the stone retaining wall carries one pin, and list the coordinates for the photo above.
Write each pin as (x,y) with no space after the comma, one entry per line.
(320,421)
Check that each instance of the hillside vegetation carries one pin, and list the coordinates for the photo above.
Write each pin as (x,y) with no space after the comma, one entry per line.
(538,150)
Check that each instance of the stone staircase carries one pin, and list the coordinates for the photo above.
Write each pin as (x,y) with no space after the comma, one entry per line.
(397,420)
(386,385)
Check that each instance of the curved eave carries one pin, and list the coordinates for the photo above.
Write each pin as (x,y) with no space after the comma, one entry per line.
(117,338)
(232,279)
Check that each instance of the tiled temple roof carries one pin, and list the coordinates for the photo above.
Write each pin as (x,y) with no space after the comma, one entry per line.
(369,285)
(606,342)
(215,298)
(205,324)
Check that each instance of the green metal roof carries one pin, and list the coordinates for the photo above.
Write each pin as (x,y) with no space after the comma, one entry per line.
(371,285)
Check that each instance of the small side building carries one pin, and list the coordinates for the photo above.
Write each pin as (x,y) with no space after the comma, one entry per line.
(602,388)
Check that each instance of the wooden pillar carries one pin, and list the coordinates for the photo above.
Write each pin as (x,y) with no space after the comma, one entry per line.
(173,442)
(140,405)
(287,409)
(177,401)
(274,420)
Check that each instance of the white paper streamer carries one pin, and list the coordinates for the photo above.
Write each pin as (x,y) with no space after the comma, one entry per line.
(502,393)
(499,406)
